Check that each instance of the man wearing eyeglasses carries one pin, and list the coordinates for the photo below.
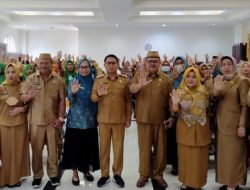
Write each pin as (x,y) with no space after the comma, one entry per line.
(152,89)
(111,91)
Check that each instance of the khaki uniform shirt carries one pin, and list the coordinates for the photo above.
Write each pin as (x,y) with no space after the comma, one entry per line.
(152,101)
(43,108)
(232,111)
(115,107)
(7,91)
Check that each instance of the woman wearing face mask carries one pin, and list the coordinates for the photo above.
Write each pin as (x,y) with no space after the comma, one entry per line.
(232,90)
(81,152)
(166,67)
(180,64)
(14,147)
(190,100)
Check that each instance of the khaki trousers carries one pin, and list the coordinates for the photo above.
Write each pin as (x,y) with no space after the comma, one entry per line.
(41,135)
(151,162)
(114,132)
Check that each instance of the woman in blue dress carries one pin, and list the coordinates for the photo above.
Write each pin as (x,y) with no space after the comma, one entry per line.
(81,152)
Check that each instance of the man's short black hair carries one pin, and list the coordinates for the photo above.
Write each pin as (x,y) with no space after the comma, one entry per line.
(113,56)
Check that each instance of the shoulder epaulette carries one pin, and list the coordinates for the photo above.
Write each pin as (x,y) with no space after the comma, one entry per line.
(125,76)
(100,76)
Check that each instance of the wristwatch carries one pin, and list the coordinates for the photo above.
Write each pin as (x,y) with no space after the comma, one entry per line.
(61,119)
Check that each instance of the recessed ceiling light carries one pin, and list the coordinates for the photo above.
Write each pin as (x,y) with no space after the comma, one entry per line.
(164,25)
(213,24)
(116,25)
(55,13)
(179,13)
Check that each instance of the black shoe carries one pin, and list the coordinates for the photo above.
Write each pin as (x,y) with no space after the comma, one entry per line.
(88,176)
(103,181)
(54,181)
(174,171)
(36,183)
(18,184)
(76,183)
(118,180)
(223,187)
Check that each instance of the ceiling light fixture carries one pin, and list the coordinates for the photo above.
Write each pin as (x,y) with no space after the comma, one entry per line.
(180,13)
(163,25)
(55,13)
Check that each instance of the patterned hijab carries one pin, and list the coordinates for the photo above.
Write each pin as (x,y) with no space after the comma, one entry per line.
(197,96)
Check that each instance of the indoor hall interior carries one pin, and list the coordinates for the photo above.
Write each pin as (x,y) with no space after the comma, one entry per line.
(129,28)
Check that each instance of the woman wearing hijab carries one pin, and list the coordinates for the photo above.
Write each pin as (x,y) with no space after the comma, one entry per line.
(190,100)
(81,152)
(245,69)
(14,148)
(206,78)
(2,72)
(70,72)
(27,70)
(231,88)
(179,66)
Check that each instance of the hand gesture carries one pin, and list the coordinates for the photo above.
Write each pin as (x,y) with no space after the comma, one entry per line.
(190,60)
(218,84)
(139,58)
(75,86)
(102,90)
(142,80)
(32,92)
(175,96)
(175,73)
(207,57)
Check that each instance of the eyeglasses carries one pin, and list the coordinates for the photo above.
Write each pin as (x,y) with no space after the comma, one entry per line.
(111,63)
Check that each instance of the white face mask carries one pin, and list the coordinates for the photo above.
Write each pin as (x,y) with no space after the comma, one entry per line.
(165,68)
(179,68)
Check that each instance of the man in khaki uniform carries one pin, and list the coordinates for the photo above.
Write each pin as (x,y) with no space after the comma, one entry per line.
(114,115)
(45,92)
(152,89)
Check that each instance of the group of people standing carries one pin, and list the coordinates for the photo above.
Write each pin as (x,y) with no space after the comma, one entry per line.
(100,105)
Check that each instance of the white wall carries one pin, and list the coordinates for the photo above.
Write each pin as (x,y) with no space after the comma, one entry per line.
(97,43)
(5,30)
(52,41)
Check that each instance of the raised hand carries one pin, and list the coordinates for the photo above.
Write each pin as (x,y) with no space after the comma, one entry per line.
(175,96)
(75,86)
(102,90)
(32,91)
(218,84)
(142,80)
(175,73)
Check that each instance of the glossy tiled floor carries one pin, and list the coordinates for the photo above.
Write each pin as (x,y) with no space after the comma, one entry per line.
(130,172)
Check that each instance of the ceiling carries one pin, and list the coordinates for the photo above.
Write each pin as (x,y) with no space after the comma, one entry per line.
(121,13)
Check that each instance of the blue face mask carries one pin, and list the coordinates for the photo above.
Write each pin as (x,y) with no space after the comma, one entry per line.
(165,69)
